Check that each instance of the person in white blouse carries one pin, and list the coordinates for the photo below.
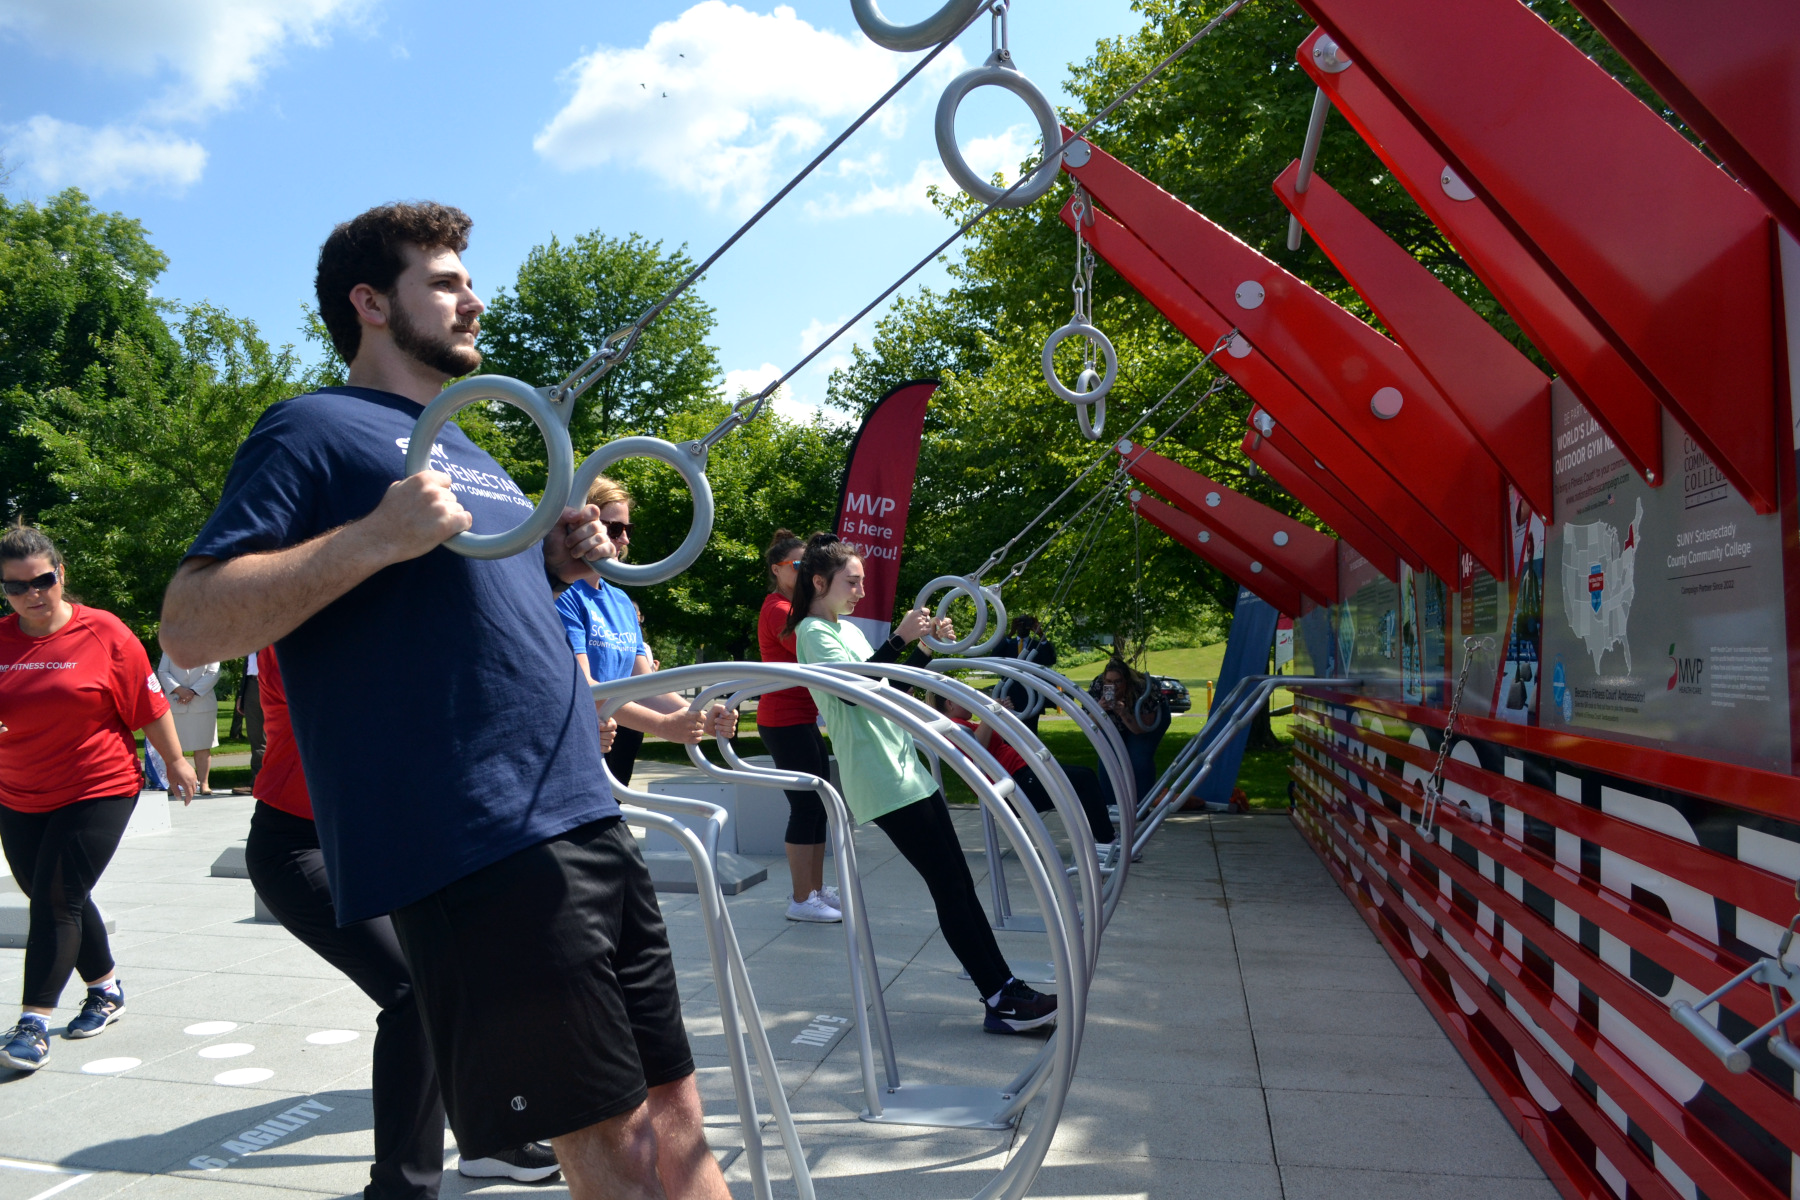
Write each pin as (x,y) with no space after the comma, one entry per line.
(196,712)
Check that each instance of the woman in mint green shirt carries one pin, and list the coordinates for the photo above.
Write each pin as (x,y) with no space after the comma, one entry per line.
(885,783)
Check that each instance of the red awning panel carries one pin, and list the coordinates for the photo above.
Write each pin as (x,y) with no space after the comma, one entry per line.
(1582,356)
(1501,397)
(1283,593)
(1361,380)
(1298,551)
(1669,256)
(1302,486)
(1418,535)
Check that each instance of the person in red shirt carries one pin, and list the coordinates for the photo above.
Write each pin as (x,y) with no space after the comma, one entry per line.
(74,684)
(1088,788)
(789,724)
(287,868)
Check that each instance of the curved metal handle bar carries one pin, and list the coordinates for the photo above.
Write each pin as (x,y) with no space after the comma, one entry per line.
(997,628)
(946,22)
(1062,390)
(559,456)
(1092,421)
(1137,710)
(729,989)
(958,586)
(998,71)
(689,458)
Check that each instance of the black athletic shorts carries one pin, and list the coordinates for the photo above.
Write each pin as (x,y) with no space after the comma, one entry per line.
(547,988)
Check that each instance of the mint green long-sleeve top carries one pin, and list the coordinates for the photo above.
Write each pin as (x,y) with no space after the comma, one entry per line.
(877,763)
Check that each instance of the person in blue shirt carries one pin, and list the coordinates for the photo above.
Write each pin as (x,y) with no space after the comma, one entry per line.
(608,639)
(463,793)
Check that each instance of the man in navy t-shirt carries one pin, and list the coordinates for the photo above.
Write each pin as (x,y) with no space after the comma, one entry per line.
(447,737)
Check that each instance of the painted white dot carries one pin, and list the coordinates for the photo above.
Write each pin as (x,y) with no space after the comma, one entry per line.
(1238,346)
(226,1050)
(1281,538)
(110,1066)
(1386,403)
(332,1037)
(1212,499)
(1453,185)
(1249,294)
(210,1028)
(1256,568)
(243,1075)
(1205,537)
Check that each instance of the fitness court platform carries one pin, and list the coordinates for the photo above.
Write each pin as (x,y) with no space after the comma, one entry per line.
(1247,1038)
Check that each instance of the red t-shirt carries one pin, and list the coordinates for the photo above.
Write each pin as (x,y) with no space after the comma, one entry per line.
(70,702)
(790,706)
(1005,755)
(281,783)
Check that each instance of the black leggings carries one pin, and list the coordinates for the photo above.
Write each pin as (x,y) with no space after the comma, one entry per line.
(923,834)
(57,858)
(623,756)
(288,871)
(801,748)
(1088,789)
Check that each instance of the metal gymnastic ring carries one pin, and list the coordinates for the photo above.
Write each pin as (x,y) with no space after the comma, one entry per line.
(1159,706)
(998,632)
(560,456)
(958,587)
(941,25)
(1094,395)
(689,458)
(1049,127)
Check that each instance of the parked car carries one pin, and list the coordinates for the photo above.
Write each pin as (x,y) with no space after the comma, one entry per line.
(1174,693)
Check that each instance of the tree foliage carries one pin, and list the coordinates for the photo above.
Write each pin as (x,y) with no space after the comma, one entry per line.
(72,278)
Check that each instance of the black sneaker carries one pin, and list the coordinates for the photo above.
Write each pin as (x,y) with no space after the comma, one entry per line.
(100,1009)
(1020,1008)
(27,1045)
(530,1163)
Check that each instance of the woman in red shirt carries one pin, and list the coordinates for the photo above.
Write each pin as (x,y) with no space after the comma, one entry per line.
(74,684)
(789,724)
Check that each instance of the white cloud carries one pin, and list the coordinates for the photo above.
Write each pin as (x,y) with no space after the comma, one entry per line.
(109,158)
(1002,152)
(721,97)
(217,48)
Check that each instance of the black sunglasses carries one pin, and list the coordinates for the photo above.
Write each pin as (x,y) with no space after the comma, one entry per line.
(618,528)
(18,587)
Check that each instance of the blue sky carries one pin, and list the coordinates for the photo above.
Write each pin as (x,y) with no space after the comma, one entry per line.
(239,131)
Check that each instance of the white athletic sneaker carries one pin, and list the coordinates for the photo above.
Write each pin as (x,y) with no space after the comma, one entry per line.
(813,908)
(829,894)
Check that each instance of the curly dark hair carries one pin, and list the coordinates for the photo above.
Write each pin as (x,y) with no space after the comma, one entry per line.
(368,249)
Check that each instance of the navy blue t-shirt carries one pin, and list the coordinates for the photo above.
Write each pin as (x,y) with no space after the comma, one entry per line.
(441,720)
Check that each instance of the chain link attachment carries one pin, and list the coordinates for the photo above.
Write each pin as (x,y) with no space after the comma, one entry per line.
(1091,386)
(1434,786)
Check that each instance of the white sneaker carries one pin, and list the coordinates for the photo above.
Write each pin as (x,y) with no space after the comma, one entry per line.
(813,908)
(829,894)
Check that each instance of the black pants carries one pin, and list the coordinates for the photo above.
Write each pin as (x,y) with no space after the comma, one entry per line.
(623,756)
(923,834)
(253,723)
(1088,790)
(288,872)
(801,748)
(57,858)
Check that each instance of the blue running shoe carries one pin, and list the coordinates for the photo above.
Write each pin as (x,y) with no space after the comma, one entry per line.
(27,1044)
(100,1009)
(1020,1008)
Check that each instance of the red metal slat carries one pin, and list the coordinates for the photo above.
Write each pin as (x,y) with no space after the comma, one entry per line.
(1501,397)
(1741,787)
(1753,889)
(1612,1141)
(1566,1166)
(1307,490)
(1731,68)
(1300,552)
(1691,1145)
(1589,364)
(1424,541)
(1351,371)
(1265,581)
(1668,255)
(1770,1106)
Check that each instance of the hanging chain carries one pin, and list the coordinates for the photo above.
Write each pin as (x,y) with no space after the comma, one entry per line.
(1434,786)
(1001,50)
(1081,208)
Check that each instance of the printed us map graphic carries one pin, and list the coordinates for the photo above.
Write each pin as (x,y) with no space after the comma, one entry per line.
(1599,582)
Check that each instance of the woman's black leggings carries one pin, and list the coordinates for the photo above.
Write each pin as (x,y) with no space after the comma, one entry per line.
(923,834)
(1088,789)
(57,858)
(801,748)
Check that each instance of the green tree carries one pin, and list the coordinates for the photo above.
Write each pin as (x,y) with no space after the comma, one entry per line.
(142,445)
(72,278)
(564,302)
